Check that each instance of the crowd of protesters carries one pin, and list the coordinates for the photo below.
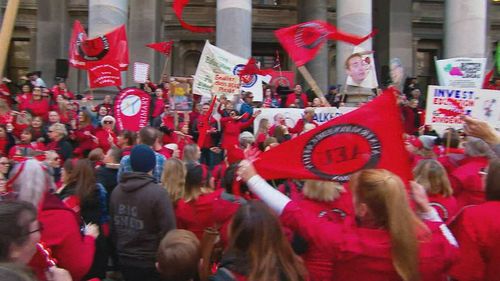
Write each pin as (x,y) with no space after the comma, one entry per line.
(83,201)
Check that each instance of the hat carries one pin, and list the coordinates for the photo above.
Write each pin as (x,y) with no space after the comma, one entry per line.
(142,158)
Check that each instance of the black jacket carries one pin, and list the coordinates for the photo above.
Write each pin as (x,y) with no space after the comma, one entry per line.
(141,214)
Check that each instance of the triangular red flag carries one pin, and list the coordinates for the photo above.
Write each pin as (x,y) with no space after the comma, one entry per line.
(251,68)
(178,7)
(303,41)
(110,48)
(369,137)
(162,47)
(487,78)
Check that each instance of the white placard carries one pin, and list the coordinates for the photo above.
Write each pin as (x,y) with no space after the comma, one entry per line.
(141,72)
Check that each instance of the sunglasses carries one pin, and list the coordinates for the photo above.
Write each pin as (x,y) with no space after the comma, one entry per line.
(108,122)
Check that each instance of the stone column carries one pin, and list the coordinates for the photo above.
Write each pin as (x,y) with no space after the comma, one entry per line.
(234,26)
(52,37)
(465,28)
(353,17)
(106,15)
(318,67)
(144,27)
(400,39)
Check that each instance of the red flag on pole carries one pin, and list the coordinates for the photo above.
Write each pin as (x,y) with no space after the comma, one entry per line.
(369,137)
(178,7)
(110,48)
(303,41)
(277,63)
(251,68)
(162,47)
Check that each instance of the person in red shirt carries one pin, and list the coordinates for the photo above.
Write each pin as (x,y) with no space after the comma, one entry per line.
(158,103)
(298,98)
(24,97)
(60,89)
(26,147)
(411,115)
(38,105)
(433,177)
(477,229)
(83,134)
(126,140)
(106,135)
(388,241)
(307,119)
(73,250)
(232,127)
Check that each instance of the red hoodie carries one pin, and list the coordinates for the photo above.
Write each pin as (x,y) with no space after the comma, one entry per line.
(61,234)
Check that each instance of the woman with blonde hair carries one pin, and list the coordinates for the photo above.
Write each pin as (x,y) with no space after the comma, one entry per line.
(433,177)
(262,133)
(174,179)
(388,241)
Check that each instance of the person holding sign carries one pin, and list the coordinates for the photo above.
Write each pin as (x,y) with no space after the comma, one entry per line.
(232,127)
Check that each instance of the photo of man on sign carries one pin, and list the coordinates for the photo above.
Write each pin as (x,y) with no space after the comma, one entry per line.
(356,68)
(360,69)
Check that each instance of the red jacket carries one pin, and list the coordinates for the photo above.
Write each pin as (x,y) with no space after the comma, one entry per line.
(103,136)
(446,207)
(290,99)
(84,141)
(319,263)
(467,182)
(364,253)
(38,107)
(476,230)
(299,126)
(61,234)
(232,129)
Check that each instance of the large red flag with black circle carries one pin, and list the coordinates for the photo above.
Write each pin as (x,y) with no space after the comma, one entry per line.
(110,48)
(369,137)
(303,41)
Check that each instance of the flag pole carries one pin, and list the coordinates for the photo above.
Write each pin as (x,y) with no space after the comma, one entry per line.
(314,86)
(165,67)
(8,23)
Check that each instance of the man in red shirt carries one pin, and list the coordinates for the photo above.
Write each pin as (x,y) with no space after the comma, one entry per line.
(298,98)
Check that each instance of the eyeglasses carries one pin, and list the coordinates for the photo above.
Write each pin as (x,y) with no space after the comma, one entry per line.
(4,163)
(50,131)
(40,228)
(108,122)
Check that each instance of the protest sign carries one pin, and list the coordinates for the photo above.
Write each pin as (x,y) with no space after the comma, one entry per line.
(215,60)
(292,115)
(132,106)
(141,72)
(181,96)
(461,72)
(446,104)
(361,69)
(227,85)
(104,75)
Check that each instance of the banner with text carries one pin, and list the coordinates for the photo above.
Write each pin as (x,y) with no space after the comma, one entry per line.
(227,85)
(104,75)
(216,60)
(132,106)
(446,104)
(292,115)
(461,72)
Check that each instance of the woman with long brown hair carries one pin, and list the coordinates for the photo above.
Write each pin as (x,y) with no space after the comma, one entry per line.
(433,177)
(89,199)
(258,248)
(388,241)
(174,179)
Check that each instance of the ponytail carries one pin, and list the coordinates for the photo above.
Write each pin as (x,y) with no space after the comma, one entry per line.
(385,196)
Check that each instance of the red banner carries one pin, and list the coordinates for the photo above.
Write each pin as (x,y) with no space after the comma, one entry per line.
(132,109)
(369,137)
(110,48)
(178,7)
(162,47)
(303,41)
(282,78)
(104,75)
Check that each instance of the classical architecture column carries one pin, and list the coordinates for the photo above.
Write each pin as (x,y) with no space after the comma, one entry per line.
(234,26)
(353,17)
(106,15)
(318,67)
(52,34)
(465,26)
(144,27)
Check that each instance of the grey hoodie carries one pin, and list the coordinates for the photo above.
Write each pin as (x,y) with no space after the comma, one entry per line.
(141,214)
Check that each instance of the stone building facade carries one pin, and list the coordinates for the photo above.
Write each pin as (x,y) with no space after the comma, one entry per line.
(414,31)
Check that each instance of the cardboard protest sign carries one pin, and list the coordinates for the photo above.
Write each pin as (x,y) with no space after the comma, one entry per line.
(446,104)
(216,60)
(181,96)
(227,85)
(141,72)
(461,72)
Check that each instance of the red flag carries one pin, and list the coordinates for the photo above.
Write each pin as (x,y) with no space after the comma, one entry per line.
(132,106)
(369,137)
(104,75)
(162,47)
(178,7)
(110,48)
(282,78)
(303,41)
(251,68)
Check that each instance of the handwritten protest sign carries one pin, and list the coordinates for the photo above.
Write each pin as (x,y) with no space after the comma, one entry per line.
(225,84)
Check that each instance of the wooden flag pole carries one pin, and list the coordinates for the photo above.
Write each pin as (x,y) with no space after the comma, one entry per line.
(314,86)
(8,23)
(165,67)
